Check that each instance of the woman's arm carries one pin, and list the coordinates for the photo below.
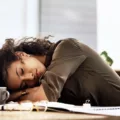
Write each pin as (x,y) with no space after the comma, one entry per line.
(34,94)
(31,94)
(67,57)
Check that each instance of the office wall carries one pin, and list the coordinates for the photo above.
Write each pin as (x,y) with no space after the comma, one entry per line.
(12,20)
(69,18)
(18,18)
(64,18)
(108,30)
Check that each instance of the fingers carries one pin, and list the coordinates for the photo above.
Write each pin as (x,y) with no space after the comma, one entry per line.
(17,95)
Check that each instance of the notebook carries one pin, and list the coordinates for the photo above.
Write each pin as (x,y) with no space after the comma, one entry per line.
(57,106)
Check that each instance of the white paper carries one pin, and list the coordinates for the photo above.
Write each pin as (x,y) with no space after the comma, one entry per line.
(45,105)
(86,108)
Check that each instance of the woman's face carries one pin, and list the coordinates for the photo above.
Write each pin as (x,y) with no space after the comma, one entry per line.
(25,72)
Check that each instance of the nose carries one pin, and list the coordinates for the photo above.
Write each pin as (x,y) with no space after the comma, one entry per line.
(28,76)
(29,79)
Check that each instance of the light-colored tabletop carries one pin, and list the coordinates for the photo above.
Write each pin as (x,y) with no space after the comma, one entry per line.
(33,115)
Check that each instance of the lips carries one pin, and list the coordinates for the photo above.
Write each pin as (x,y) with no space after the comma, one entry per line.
(37,74)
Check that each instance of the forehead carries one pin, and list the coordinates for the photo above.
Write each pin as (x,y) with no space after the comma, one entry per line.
(13,80)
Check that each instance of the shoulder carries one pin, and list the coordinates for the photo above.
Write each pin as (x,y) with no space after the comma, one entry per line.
(68,42)
(68,46)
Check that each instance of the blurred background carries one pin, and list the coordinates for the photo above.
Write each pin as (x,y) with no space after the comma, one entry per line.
(94,22)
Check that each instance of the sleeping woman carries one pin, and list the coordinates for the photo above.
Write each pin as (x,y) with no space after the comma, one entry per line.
(67,71)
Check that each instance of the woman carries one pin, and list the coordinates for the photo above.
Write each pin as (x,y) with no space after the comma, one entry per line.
(67,71)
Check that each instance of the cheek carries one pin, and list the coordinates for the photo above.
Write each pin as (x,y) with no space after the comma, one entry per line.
(12,81)
(33,64)
(43,68)
(13,84)
(40,65)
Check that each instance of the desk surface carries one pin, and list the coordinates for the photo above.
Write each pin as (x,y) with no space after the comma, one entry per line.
(29,115)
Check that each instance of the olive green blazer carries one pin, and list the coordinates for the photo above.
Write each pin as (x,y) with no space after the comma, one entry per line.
(77,73)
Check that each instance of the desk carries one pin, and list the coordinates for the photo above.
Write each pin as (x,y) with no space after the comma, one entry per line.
(31,115)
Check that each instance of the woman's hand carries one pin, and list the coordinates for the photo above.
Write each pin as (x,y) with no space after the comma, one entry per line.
(34,94)
(15,96)
(31,94)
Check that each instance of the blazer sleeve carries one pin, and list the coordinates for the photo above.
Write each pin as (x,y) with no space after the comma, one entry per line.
(67,57)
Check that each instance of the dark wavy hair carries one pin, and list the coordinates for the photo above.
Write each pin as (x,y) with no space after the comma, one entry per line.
(30,45)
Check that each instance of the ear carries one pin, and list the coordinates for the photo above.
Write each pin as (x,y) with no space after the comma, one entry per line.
(21,54)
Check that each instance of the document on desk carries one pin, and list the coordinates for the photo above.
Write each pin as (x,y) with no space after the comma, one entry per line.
(86,108)
(56,106)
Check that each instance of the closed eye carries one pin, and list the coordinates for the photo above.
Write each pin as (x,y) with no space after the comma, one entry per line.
(22,71)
